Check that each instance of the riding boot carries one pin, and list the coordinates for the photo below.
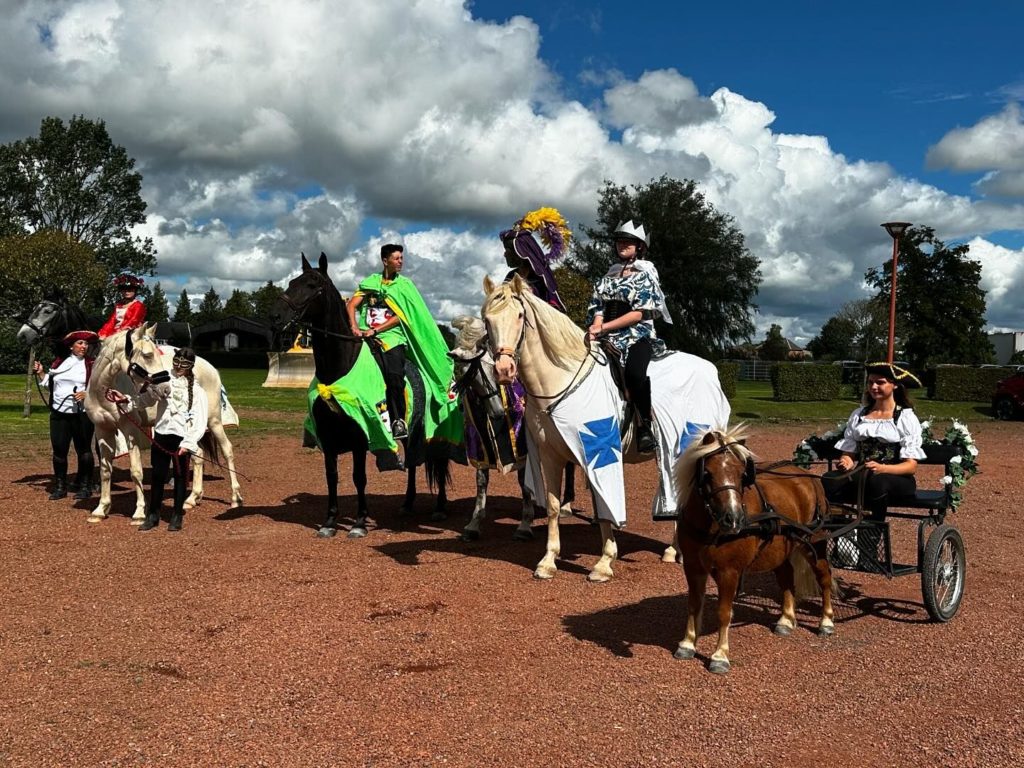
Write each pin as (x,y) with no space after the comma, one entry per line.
(83,486)
(644,435)
(60,489)
(152,519)
(177,517)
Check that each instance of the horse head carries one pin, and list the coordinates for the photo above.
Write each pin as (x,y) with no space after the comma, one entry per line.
(474,366)
(720,467)
(42,321)
(144,361)
(504,314)
(304,298)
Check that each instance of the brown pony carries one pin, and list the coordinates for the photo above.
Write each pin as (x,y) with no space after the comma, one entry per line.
(736,521)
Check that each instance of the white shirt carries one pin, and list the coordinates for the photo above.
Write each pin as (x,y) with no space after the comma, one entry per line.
(906,432)
(173,416)
(67,378)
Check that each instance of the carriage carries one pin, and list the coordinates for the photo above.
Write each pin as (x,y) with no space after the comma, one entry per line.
(857,543)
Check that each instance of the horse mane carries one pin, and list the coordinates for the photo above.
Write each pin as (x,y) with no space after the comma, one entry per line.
(562,338)
(471,332)
(697,450)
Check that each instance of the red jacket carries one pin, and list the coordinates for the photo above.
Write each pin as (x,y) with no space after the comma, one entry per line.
(134,316)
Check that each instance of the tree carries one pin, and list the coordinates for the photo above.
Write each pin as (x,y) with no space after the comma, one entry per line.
(42,264)
(575,291)
(183,312)
(239,303)
(837,340)
(210,309)
(263,300)
(157,309)
(939,301)
(775,346)
(74,179)
(709,277)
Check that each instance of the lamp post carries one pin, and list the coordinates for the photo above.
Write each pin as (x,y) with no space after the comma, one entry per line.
(895,229)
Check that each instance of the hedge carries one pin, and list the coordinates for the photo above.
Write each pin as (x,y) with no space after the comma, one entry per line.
(806,381)
(727,375)
(963,383)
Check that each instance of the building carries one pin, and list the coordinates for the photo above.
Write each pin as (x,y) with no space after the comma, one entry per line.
(1007,345)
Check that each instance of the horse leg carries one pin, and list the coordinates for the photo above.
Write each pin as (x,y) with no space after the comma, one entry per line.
(437,476)
(787,622)
(227,451)
(472,530)
(330,526)
(409,503)
(602,570)
(728,580)
(105,445)
(671,553)
(524,531)
(551,472)
(568,490)
(195,498)
(135,465)
(826,627)
(358,529)
(696,586)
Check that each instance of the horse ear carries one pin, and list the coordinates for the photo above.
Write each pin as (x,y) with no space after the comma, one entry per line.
(489,285)
(518,283)
(128,344)
(305,264)
(151,330)
(749,472)
(709,438)
(322,266)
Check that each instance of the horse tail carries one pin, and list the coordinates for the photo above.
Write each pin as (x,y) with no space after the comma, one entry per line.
(805,583)
(439,474)
(210,448)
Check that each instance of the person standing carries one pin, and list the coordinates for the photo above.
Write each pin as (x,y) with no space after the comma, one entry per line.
(181,419)
(67,379)
(622,310)
(129,312)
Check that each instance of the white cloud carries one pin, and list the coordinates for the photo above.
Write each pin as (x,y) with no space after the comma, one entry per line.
(266,129)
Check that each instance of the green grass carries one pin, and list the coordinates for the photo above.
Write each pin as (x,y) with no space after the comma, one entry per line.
(281,410)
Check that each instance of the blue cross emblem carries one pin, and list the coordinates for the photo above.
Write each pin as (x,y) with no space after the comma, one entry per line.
(601,442)
(690,433)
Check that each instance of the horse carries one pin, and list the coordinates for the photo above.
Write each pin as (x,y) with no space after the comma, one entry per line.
(495,438)
(52,319)
(111,371)
(737,520)
(574,410)
(312,299)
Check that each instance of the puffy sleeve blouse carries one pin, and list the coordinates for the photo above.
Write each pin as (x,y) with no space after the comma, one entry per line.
(906,431)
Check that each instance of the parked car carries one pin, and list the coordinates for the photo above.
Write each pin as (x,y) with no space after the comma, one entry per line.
(1008,398)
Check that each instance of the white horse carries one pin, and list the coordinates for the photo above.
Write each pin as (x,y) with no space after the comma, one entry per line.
(574,410)
(110,371)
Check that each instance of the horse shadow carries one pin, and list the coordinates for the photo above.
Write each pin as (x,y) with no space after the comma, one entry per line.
(122,490)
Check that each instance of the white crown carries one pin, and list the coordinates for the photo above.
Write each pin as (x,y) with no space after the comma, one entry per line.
(629,229)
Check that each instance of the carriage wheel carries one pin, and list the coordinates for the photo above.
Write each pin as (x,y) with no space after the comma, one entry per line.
(942,573)
(1005,409)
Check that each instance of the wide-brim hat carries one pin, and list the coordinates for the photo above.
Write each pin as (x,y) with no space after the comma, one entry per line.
(87,336)
(894,373)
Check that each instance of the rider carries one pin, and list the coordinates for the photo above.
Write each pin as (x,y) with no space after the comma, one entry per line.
(67,379)
(526,256)
(129,312)
(396,317)
(622,310)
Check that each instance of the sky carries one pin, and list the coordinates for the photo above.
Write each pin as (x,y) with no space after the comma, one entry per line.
(265,129)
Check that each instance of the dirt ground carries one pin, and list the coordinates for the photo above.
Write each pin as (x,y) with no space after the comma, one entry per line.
(246,641)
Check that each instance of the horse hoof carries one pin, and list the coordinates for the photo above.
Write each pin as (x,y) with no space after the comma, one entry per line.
(437,517)
(826,631)
(469,535)
(543,575)
(135,521)
(523,535)
(236,504)
(782,630)
(99,519)
(684,653)
(326,533)
(719,667)
(356,532)
(598,578)
(187,507)
(564,512)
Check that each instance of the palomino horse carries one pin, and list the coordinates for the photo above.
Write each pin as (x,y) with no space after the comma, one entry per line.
(736,521)
(110,371)
(312,299)
(495,434)
(574,410)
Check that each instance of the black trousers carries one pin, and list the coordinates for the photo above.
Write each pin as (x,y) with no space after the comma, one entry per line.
(637,382)
(879,491)
(65,429)
(165,461)
(392,365)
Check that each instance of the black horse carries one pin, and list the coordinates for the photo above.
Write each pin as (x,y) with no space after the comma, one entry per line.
(311,299)
(52,319)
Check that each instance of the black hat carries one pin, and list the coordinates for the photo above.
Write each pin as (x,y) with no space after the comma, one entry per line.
(894,373)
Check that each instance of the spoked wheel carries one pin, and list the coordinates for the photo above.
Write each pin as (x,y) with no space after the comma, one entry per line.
(943,572)
(1004,409)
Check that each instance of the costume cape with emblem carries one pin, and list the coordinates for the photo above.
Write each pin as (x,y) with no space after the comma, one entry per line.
(358,394)
(425,346)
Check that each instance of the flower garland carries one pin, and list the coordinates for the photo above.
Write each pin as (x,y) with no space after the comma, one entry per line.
(961,467)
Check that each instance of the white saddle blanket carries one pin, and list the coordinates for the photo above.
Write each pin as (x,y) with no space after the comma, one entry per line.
(686,400)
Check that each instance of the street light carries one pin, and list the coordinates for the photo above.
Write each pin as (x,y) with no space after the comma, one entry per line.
(895,229)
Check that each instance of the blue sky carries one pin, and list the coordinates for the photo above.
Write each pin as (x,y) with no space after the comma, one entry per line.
(269,128)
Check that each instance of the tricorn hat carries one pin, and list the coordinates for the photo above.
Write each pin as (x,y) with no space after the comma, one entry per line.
(894,373)
(87,336)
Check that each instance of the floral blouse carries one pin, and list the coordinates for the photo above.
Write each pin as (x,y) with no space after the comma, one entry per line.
(640,292)
(872,436)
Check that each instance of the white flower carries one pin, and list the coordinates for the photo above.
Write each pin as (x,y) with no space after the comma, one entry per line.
(972,450)
(947,480)
(925,424)
(804,444)
(956,459)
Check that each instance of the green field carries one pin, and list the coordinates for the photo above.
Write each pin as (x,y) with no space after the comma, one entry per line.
(281,410)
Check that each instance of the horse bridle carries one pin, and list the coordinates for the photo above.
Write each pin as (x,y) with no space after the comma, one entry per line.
(702,478)
(300,311)
(36,328)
